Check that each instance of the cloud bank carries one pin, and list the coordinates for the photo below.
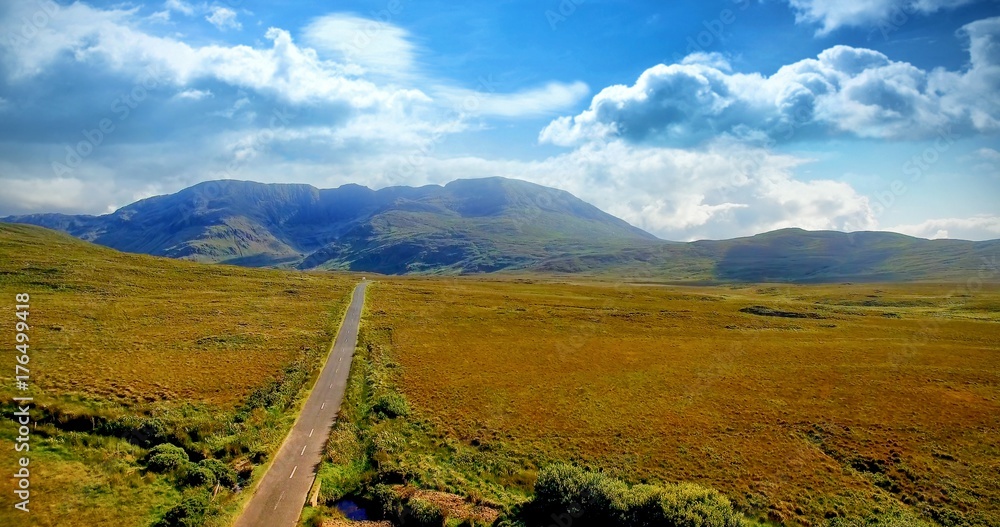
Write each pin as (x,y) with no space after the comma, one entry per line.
(845,91)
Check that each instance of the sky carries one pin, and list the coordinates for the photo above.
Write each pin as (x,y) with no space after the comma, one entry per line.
(691,120)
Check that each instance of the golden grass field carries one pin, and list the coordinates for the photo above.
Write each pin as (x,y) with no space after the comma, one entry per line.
(882,396)
(117,334)
(802,404)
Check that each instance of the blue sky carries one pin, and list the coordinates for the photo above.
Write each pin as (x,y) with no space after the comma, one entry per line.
(689,119)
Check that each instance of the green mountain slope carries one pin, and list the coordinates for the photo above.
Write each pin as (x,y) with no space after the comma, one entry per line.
(487,225)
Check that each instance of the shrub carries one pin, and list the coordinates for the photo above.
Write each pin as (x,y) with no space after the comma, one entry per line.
(223,473)
(586,499)
(167,458)
(198,476)
(391,405)
(424,513)
(190,512)
(388,501)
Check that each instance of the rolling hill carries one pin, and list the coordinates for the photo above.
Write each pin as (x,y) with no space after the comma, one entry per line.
(468,225)
(487,225)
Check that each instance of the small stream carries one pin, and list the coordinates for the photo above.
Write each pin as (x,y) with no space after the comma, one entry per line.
(353,510)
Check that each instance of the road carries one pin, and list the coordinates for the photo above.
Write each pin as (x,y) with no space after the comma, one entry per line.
(280,495)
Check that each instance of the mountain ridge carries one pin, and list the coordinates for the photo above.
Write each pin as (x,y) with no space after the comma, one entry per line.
(485,225)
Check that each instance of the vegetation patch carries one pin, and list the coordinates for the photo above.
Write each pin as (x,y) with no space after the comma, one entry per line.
(159,391)
(769,312)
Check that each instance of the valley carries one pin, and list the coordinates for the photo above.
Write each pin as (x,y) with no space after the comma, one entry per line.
(472,400)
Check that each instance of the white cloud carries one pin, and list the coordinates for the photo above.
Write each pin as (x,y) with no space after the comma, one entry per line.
(179,6)
(834,14)
(845,90)
(375,46)
(384,50)
(110,39)
(193,95)
(541,101)
(723,190)
(159,17)
(988,154)
(981,227)
(223,18)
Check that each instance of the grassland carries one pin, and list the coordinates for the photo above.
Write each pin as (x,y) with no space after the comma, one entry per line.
(131,351)
(817,405)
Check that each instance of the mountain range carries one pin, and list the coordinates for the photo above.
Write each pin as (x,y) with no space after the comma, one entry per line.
(487,225)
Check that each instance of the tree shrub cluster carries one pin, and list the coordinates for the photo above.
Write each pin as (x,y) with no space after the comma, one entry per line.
(569,496)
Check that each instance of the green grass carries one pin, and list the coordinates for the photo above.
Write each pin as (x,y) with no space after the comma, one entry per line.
(130,351)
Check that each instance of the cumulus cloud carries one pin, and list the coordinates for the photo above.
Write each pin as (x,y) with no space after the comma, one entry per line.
(844,91)
(109,38)
(223,18)
(722,190)
(981,227)
(833,14)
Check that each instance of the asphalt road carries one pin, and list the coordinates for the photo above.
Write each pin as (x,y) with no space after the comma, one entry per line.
(280,495)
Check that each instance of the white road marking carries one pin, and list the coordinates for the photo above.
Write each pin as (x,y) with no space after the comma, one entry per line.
(311,432)
(303,450)
(279,501)
(293,472)
(322,406)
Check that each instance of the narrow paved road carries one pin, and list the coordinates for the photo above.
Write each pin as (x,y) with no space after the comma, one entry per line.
(279,497)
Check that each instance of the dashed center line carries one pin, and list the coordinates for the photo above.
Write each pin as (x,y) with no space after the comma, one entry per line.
(322,406)
(279,501)
(303,450)
(311,432)
(293,472)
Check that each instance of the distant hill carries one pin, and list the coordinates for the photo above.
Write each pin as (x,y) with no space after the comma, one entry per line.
(476,225)
(486,225)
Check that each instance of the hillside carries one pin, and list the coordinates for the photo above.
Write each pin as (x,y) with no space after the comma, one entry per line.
(467,225)
(488,225)
(797,256)
(130,351)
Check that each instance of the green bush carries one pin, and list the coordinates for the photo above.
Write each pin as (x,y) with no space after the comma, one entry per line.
(167,458)
(190,512)
(391,405)
(198,476)
(388,501)
(423,513)
(223,473)
(573,496)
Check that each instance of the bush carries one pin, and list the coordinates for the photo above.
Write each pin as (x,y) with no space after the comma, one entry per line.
(424,513)
(190,512)
(391,405)
(198,476)
(388,501)
(165,458)
(223,473)
(587,499)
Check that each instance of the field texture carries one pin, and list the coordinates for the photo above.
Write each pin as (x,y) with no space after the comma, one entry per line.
(803,404)
(130,351)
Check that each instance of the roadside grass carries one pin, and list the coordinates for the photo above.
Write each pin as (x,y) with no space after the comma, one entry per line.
(877,406)
(130,351)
